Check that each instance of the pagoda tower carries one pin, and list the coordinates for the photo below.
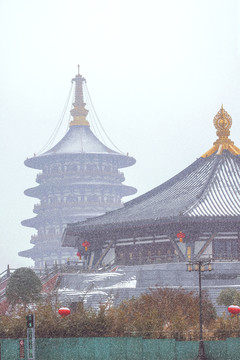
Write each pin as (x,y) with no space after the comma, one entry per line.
(79,179)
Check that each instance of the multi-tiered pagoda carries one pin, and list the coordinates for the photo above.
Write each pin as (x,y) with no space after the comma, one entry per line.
(79,179)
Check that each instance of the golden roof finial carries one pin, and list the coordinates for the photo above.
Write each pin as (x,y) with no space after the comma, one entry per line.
(222,122)
(79,112)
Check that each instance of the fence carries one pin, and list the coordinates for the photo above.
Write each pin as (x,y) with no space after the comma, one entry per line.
(121,349)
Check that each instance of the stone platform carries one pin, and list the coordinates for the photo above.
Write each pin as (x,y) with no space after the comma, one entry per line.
(123,282)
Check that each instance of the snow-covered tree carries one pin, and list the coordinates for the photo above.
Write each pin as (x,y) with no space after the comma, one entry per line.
(24,287)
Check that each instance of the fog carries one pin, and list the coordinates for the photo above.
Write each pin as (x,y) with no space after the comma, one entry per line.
(157,72)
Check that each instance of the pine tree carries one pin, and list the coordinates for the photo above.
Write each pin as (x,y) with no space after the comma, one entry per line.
(24,287)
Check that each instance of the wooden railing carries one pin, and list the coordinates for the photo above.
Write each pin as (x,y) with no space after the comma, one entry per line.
(118,175)
(73,204)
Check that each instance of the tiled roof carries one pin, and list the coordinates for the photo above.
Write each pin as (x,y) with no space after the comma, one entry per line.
(210,187)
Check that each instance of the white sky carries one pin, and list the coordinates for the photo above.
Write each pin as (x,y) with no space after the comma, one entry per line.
(158,72)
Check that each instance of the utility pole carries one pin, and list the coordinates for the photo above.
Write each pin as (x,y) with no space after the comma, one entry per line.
(30,337)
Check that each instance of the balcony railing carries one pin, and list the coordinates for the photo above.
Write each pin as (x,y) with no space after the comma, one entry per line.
(34,239)
(140,260)
(97,174)
(77,204)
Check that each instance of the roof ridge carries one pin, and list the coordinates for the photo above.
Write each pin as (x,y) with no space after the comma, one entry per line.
(207,189)
(165,185)
(206,185)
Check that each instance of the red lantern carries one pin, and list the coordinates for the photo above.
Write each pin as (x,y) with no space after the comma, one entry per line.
(64,311)
(234,309)
(86,244)
(181,236)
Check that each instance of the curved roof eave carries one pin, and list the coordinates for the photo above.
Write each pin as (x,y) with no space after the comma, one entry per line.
(78,142)
(82,230)
(202,181)
(39,190)
(39,162)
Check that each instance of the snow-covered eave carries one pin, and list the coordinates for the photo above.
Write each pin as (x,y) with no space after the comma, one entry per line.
(39,162)
(36,191)
(169,225)
(27,253)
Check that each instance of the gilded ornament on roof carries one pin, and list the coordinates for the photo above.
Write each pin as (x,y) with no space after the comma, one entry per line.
(79,112)
(222,122)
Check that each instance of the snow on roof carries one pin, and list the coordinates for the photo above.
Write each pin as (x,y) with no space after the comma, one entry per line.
(208,187)
(79,139)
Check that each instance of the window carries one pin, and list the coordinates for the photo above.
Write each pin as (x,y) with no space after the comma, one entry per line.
(225,249)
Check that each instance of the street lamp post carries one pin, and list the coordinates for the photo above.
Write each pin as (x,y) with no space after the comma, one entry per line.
(199,265)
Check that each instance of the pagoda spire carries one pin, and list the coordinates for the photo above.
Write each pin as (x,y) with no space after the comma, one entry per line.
(79,113)
(222,122)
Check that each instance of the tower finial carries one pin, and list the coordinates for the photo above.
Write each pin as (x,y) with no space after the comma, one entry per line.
(222,122)
(79,112)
